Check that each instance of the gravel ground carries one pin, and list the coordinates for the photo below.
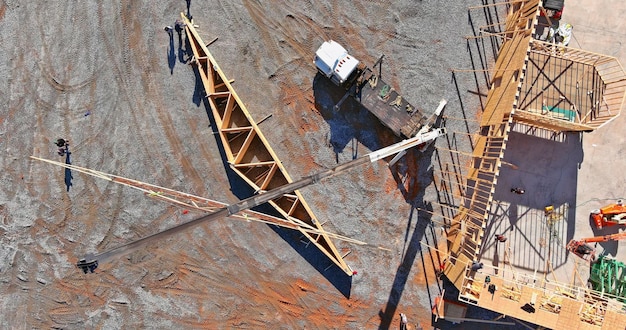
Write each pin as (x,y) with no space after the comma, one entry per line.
(107,77)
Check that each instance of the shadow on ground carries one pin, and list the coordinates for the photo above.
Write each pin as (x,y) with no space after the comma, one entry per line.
(412,174)
(351,123)
(547,169)
(68,173)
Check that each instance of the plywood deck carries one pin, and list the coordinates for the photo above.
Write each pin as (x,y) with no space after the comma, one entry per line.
(571,312)
(393,110)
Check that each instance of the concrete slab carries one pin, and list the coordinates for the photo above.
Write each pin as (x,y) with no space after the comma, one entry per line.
(601,28)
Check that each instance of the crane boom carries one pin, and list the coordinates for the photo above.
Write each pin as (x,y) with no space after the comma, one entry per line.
(90,263)
(613,237)
(581,249)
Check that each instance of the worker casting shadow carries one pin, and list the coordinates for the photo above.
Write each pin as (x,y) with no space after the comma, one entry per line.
(199,95)
(171,52)
(316,258)
(68,173)
(182,49)
(188,9)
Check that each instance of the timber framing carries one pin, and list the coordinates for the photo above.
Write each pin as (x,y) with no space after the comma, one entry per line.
(554,88)
(249,153)
(569,89)
(468,227)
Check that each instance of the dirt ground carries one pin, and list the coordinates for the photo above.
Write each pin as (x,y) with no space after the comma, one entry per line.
(108,78)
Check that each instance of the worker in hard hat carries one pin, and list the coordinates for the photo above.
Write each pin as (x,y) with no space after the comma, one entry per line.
(560,35)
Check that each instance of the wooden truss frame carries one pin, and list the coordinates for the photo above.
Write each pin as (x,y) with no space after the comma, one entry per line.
(202,204)
(249,153)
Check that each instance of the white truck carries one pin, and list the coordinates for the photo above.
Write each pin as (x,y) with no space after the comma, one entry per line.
(368,88)
(334,62)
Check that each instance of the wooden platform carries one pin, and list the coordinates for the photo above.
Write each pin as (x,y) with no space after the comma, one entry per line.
(393,110)
(587,88)
(554,308)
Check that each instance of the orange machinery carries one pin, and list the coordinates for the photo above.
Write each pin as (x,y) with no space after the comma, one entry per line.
(583,250)
(611,215)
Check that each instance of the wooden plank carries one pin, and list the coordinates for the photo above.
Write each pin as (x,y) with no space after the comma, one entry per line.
(502,96)
(268,163)
(608,71)
(607,64)
(617,84)
(614,79)
(269,177)
(244,148)
(226,117)
(615,95)
(549,123)
(613,75)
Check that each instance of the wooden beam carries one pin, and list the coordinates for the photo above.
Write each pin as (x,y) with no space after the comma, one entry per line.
(497,4)
(558,125)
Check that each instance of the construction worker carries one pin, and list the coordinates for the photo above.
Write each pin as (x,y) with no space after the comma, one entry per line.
(476,266)
(179,26)
(519,191)
(561,34)
(61,143)
(169,30)
(492,288)
(403,321)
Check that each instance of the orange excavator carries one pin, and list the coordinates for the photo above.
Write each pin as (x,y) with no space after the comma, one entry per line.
(583,250)
(611,215)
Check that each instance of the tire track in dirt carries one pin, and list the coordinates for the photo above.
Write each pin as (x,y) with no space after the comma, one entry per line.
(186,322)
(69,307)
(193,177)
(61,87)
(9,162)
(117,206)
(124,79)
(292,94)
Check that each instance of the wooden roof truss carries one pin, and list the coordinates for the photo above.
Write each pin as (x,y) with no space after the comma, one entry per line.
(249,153)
